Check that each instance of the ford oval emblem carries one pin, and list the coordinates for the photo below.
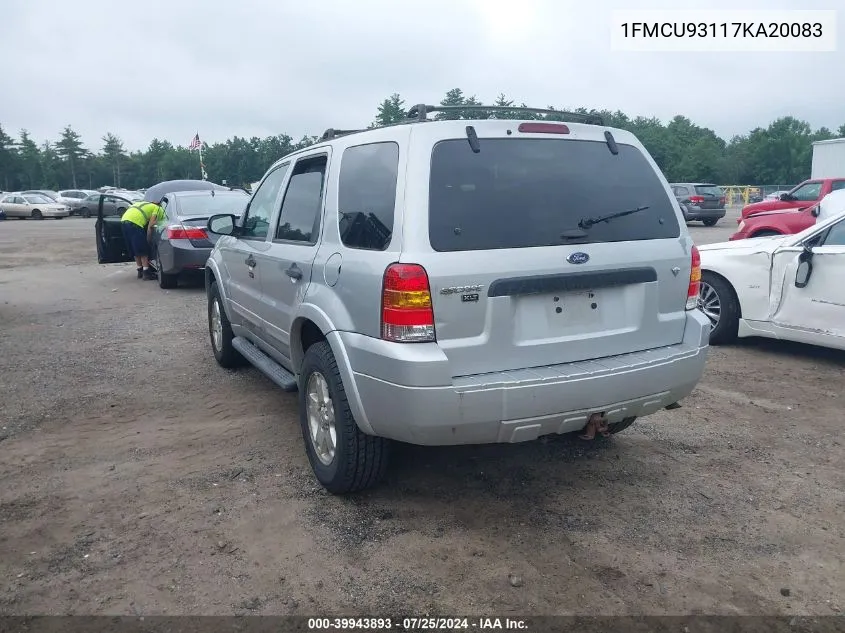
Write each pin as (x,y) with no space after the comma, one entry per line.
(578,258)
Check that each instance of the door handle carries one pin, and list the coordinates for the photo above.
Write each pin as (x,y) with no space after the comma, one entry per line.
(250,261)
(293,272)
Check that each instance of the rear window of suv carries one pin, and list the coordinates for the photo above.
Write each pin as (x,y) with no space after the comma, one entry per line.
(708,190)
(521,193)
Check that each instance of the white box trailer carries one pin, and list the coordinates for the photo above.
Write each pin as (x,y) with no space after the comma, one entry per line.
(828,159)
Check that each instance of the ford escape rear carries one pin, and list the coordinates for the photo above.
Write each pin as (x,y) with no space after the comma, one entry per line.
(460,282)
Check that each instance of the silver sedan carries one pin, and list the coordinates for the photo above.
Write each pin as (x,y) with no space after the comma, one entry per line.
(32,205)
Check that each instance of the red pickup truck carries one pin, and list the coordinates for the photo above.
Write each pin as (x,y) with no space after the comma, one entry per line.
(803,196)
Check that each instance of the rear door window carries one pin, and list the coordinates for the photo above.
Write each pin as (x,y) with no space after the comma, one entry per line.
(367,195)
(521,193)
(708,190)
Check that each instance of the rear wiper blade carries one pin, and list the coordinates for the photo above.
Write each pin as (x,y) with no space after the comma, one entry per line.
(586,223)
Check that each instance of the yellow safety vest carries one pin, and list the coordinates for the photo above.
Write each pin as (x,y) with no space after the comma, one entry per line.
(141,212)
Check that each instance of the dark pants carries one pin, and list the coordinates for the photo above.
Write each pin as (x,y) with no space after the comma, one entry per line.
(136,239)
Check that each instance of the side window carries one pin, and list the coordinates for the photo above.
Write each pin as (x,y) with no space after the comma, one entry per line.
(367,195)
(262,205)
(835,235)
(808,192)
(683,191)
(299,220)
(836,185)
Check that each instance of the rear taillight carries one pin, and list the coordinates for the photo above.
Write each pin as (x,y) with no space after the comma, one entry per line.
(406,312)
(694,280)
(179,232)
(696,199)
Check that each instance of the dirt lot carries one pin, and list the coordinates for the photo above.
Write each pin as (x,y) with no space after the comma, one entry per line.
(140,478)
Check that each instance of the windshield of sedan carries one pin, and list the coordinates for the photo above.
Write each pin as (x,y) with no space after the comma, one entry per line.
(38,199)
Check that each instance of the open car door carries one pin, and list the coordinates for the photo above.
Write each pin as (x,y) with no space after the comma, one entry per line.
(111,247)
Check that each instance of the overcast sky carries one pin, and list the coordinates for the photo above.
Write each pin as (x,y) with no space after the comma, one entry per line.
(170,68)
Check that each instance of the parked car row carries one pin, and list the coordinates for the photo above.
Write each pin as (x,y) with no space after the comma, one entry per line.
(789,214)
(786,287)
(37,206)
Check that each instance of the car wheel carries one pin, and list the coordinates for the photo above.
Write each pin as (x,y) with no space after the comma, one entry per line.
(85,213)
(710,221)
(167,282)
(220,330)
(343,458)
(719,303)
(36,215)
(120,210)
(765,234)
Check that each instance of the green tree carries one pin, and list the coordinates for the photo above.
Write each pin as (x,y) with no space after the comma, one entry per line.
(50,178)
(115,154)
(69,148)
(391,110)
(454,97)
(8,158)
(29,161)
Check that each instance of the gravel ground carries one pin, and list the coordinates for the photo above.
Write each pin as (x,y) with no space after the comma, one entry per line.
(141,478)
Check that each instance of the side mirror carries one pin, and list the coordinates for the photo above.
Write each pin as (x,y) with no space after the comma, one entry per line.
(222,224)
(805,268)
(815,211)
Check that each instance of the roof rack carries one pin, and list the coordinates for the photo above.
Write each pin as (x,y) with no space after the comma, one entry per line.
(333,133)
(420,111)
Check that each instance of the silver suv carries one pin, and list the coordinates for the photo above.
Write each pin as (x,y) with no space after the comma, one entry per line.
(460,282)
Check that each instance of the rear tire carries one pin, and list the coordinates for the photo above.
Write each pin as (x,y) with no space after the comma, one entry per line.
(85,213)
(359,461)
(120,210)
(220,331)
(710,221)
(725,328)
(167,282)
(36,215)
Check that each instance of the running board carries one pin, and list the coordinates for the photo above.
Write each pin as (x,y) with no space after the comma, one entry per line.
(266,365)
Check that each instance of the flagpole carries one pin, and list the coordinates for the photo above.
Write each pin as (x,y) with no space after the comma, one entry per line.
(202,167)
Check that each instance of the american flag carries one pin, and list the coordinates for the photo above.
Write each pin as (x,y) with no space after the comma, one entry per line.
(195,142)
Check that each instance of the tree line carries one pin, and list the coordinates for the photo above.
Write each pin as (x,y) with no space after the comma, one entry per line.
(778,154)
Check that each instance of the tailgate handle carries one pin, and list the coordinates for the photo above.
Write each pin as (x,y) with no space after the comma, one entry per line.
(293,272)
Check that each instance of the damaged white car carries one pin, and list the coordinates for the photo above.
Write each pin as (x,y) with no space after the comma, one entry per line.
(785,287)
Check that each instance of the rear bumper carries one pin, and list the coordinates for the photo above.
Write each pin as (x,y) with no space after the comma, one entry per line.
(397,392)
(176,256)
(697,213)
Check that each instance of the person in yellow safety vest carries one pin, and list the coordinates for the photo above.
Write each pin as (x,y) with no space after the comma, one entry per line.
(138,222)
